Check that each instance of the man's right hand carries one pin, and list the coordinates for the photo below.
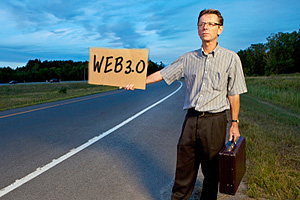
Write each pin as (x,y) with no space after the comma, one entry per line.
(129,87)
(153,78)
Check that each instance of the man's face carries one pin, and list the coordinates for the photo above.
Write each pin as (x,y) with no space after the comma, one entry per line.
(208,30)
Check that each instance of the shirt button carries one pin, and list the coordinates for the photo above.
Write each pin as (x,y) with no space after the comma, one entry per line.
(205,72)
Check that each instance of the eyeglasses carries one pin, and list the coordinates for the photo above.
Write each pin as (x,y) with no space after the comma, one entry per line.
(209,24)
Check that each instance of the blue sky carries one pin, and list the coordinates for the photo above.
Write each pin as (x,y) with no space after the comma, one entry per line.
(65,30)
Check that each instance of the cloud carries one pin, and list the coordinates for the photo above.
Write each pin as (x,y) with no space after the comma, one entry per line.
(168,20)
(46,28)
(66,29)
(122,33)
(17,53)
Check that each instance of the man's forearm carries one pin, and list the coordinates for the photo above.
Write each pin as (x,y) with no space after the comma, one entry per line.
(234,110)
(153,78)
(234,106)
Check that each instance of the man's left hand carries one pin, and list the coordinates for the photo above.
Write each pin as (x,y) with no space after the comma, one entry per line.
(234,132)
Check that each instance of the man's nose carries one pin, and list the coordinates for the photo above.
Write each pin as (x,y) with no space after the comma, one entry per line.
(205,26)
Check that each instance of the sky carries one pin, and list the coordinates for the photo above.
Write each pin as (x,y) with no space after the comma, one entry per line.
(65,30)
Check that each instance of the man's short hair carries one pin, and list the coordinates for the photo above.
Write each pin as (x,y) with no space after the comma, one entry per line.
(211,11)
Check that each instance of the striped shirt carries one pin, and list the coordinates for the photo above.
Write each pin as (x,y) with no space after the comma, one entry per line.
(209,78)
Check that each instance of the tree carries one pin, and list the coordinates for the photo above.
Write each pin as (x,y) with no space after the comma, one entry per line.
(281,54)
(7,74)
(153,67)
(254,59)
(35,70)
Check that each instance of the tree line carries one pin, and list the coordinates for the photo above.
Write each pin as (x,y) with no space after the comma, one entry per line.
(280,55)
(38,71)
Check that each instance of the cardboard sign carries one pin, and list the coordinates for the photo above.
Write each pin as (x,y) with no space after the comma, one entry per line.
(118,67)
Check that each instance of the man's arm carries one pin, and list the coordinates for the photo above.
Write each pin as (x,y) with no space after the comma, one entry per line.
(234,110)
(153,78)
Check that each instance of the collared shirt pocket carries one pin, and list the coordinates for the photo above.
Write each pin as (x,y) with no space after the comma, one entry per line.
(216,81)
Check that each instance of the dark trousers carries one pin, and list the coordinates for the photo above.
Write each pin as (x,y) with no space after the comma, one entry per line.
(203,136)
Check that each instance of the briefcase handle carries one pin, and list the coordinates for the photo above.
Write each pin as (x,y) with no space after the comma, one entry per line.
(231,144)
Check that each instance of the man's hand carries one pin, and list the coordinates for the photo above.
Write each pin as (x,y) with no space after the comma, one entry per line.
(153,78)
(234,131)
(129,87)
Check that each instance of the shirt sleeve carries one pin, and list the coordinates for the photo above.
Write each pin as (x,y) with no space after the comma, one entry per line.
(173,71)
(236,80)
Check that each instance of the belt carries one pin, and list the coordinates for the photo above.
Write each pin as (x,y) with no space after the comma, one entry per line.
(194,112)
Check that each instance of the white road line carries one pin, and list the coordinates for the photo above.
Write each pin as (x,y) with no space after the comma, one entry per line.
(74,151)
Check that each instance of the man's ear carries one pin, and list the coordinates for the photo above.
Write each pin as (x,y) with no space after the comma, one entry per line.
(220,30)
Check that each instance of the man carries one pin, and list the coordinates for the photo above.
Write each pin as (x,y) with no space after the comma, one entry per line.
(214,80)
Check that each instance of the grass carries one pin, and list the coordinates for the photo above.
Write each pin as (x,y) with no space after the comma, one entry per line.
(281,90)
(270,121)
(20,95)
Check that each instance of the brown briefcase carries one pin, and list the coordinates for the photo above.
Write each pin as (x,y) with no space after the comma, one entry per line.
(232,165)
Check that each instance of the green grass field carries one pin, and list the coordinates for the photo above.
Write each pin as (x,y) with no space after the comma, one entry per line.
(283,90)
(270,121)
(20,95)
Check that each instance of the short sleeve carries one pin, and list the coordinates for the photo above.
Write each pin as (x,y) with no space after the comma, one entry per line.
(173,71)
(236,79)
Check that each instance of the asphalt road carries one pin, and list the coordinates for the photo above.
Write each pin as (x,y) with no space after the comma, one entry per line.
(135,161)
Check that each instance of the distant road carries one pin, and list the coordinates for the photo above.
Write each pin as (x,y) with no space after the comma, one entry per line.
(22,83)
(135,160)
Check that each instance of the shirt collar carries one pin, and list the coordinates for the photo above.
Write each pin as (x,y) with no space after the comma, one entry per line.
(214,52)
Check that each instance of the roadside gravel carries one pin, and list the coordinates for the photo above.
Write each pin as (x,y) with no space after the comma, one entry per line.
(240,194)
